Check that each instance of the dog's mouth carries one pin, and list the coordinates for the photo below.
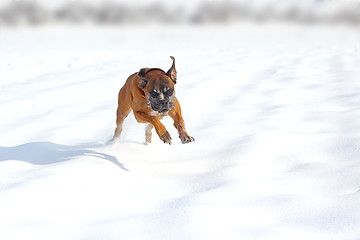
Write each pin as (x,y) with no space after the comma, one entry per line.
(164,111)
(160,106)
(161,109)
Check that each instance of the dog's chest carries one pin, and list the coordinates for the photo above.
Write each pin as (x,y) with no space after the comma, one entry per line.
(153,113)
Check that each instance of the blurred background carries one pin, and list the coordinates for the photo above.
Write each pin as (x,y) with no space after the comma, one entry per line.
(120,12)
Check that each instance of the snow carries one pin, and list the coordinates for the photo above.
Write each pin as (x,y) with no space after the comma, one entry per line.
(274,111)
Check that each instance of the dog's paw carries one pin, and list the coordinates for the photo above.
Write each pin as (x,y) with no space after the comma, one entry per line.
(166,138)
(113,141)
(186,139)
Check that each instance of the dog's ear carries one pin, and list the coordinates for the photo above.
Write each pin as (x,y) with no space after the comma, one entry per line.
(142,75)
(171,73)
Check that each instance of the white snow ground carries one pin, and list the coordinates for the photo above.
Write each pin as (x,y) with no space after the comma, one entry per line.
(274,111)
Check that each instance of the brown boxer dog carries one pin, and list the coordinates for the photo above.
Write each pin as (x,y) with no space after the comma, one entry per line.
(150,94)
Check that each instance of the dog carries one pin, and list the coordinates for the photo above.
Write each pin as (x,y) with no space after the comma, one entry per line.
(150,94)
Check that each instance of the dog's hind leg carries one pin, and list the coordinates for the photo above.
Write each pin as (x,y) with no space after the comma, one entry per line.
(121,113)
(148,133)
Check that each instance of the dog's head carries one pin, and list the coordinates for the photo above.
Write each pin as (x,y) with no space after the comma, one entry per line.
(158,87)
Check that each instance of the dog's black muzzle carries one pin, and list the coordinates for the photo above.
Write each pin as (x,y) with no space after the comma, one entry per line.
(162,106)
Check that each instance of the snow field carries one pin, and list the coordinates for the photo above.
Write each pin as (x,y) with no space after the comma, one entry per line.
(273,110)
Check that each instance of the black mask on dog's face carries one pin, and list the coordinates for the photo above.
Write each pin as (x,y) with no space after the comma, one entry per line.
(158,87)
(161,99)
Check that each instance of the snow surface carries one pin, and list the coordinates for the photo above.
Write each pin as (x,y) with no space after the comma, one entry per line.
(274,111)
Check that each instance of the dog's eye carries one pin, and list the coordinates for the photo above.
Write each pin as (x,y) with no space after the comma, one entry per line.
(169,92)
(154,93)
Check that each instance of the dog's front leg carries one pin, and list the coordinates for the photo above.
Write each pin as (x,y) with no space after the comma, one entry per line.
(180,126)
(148,133)
(179,123)
(142,117)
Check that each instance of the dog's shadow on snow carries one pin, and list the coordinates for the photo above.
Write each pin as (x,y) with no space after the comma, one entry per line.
(43,153)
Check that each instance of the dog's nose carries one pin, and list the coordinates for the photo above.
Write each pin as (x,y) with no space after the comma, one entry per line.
(163,102)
